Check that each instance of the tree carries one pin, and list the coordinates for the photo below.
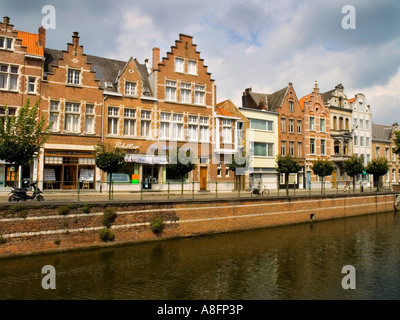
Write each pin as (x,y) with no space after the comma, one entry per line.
(22,135)
(180,162)
(322,168)
(109,160)
(287,165)
(353,167)
(397,142)
(378,167)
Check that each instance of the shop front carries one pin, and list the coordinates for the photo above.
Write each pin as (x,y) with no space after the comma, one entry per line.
(69,170)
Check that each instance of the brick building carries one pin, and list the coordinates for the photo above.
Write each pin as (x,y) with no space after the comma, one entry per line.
(317,130)
(21,69)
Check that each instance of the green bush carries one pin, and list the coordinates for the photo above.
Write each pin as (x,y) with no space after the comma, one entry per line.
(86,208)
(106,235)
(57,242)
(157,225)
(63,210)
(23,214)
(109,217)
(2,240)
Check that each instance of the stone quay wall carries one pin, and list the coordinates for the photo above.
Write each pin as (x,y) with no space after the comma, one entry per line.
(37,229)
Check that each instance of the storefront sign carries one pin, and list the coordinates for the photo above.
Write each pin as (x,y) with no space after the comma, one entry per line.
(146,160)
(126,146)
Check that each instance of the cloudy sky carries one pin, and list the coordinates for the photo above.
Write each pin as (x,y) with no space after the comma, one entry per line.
(262,44)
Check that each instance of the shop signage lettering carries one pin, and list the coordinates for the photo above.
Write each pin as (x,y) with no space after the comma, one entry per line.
(126,146)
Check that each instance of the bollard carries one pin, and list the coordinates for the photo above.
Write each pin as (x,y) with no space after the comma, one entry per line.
(192,189)
(141,190)
(182,188)
(168,188)
(216,189)
(77,188)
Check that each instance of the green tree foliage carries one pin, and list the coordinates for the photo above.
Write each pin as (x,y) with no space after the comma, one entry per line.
(239,160)
(22,135)
(180,163)
(397,142)
(109,160)
(353,167)
(378,167)
(287,165)
(322,168)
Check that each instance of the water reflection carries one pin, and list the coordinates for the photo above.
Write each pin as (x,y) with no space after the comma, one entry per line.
(295,262)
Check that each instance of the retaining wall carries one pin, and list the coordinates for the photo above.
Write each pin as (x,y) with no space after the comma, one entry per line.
(35,229)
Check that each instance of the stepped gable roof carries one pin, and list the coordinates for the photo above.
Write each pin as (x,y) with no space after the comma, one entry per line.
(381,132)
(275,100)
(31,42)
(327,96)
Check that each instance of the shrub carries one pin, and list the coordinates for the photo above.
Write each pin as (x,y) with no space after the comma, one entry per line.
(157,224)
(23,214)
(106,235)
(63,210)
(57,242)
(86,208)
(109,217)
(2,240)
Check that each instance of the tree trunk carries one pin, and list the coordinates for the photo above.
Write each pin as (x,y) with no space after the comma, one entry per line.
(109,187)
(322,184)
(287,183)
(354,184)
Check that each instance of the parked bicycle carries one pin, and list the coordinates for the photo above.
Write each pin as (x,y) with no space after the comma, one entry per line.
(259,191)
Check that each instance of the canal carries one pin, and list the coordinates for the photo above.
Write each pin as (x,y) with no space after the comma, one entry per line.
(292,262)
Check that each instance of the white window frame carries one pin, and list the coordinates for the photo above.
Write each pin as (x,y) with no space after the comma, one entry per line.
(89,119)
(130,88)
(74,77)
(113,120)
(186,92)
(170,90)
(6,42)
(72,117)
(227,130)
(54,111)
(179,65)
(9,77)
(177,127)
(200,94)
(145,124)
(129,122)
(165,125)
(192,67)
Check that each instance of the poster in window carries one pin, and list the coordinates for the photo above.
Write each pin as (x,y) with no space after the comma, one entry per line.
(49,175)
(87,175)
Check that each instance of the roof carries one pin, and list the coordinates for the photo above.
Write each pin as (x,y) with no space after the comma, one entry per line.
(107,70)
(31,42)
(327,96)
(303,100)
(381,132)
(219,110)
(275,100)
(352,100)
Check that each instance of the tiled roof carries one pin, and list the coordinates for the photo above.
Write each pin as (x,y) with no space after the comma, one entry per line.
(275,100)
(31,42)
(352,100)
(303,100)
(222,112)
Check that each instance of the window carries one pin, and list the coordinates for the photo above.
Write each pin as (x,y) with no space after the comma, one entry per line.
(130,88)
(263,149)
(299,149)
(393,175)
(73,76)
(322,125)
(186,93)
(113,119)
(355,123)
(192,128)
(261,124)
(355,140)
(283,124)
(31,85)
(393,154)
(291,148)
(204,135)
(72,117)
(335,123)
(361,141)
(8,77)
(226,131)
(170,90)
(323,147)
(192,67)
(377,151)
(226,171)
(219,169)
(291,104)
(312,124)
(6,43)
(179,64)
(360,107)
(312,146)
(54,115)
(177,129)
(387,153)
(129,122)
(240,133)
(145,124)
(199,95)
(367,124)
(361,124)
(283,148)
(291,125)
(89,118)
(299,126)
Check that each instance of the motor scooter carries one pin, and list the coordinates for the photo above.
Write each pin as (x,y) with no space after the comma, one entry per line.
(20,194)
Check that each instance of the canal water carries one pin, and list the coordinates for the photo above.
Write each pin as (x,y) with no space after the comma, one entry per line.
(292,262)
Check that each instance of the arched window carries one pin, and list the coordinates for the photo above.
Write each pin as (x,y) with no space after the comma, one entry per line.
(347,124)
(340,123)
(334,123)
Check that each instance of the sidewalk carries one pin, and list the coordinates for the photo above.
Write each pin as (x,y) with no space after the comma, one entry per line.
(124,196)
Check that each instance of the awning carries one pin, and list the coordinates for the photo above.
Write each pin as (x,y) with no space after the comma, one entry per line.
(146,159)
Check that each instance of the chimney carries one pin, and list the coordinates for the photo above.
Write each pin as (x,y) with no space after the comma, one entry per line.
(6,20)
(316,89)
(156,57)
(75,40)
(42,37)
(263,105)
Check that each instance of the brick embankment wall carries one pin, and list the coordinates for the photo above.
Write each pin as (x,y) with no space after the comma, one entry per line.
(42,229)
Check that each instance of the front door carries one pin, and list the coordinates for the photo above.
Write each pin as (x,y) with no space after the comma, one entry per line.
(70,177)
(203,178)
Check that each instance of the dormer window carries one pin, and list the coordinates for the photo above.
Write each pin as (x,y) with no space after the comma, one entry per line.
(6,43)
(130,88)
(74,76)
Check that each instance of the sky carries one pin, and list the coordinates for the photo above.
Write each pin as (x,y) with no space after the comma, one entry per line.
(258,44)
